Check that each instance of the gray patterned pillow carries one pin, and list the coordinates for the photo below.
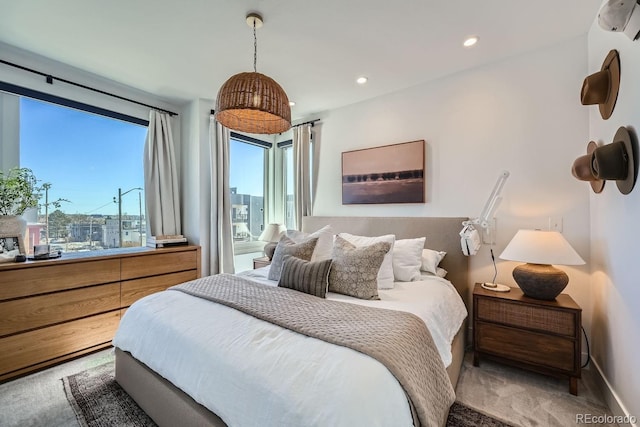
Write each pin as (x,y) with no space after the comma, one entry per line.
(286,246)
(354,270)
(305,276)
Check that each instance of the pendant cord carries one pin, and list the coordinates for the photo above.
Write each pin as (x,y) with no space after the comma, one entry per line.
(255,47)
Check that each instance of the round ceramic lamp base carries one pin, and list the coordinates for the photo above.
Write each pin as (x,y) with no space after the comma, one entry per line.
(540,281)
(269,249)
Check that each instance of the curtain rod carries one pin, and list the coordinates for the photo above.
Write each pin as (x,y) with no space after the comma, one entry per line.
(311,122)
(49,79)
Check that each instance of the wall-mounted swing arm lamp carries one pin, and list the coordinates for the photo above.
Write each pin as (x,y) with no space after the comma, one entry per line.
(469,237)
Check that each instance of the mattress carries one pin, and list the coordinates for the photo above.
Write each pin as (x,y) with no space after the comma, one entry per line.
(267,375)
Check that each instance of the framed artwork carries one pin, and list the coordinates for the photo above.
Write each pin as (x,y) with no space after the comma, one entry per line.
(387,174)
(10,243)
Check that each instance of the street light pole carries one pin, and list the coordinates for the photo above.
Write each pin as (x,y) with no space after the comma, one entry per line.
(120,194)
(140,216)
(120,216)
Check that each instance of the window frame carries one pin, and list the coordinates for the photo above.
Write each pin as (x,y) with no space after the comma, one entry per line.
(66,102)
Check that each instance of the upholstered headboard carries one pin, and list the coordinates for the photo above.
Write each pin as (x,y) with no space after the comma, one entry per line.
(441,234)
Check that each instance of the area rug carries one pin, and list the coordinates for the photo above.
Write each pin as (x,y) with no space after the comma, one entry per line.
(99,401)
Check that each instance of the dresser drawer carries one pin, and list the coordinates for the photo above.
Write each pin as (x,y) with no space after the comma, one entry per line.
(527,316)
(133,290)
(29,348)
(161,263)
(531,347)
(50,278)
(30,313)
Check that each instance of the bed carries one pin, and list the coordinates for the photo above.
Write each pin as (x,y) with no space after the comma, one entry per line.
(262,381)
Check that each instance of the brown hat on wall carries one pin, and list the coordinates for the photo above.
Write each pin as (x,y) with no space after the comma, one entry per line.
(581,169)
(617,161)
(602,87)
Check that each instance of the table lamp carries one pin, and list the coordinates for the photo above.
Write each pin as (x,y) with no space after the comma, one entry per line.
(271,234)
(539,249)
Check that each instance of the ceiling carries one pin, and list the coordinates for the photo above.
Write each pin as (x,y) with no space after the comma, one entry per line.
(184,50)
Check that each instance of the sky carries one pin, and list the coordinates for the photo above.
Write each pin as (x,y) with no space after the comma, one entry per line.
(86,158)
(246,168)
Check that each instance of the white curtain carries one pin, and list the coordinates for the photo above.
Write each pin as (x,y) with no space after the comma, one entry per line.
(217,236)
(302,172)
(162,195)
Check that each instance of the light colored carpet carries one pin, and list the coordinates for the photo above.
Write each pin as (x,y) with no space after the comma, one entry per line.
(513,395)
(38,400)
(525,398)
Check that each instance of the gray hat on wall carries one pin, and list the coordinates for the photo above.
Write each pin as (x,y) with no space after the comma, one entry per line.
(617,161)
(621,15)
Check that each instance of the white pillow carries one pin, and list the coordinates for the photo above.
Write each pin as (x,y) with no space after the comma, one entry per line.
(440,272)
(407,259)
(385,274)
(323,247)
(431,259)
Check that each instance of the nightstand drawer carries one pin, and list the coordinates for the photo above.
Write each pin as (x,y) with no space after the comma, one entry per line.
(527,316)
(531,347)
(261,262)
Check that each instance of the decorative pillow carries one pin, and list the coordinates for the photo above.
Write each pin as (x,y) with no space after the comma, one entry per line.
(407,259)
(431,259)
(305,276)
(286,246)
(354,270)
(324,245)
(385,273)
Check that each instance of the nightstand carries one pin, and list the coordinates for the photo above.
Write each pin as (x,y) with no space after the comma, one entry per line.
(261,262)
(542,336)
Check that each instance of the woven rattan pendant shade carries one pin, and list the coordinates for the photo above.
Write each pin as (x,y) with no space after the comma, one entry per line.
(253,103)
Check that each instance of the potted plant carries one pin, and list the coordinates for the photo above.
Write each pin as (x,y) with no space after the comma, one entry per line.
(18,192)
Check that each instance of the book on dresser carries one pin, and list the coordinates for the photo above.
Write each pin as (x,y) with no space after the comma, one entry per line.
(166,241)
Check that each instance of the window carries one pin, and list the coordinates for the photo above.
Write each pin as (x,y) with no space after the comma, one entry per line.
(92,165)
(247,182)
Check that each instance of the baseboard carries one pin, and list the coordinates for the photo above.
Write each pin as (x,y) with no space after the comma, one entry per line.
(611,397)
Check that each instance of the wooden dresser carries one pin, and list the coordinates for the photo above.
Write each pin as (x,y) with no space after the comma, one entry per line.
(54,310)
(543,336)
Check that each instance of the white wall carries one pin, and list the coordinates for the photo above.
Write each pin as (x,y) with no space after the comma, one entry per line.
(522,114)
(615,270)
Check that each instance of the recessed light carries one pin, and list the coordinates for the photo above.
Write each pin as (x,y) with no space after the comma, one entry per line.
(361,80)
(470,41)
(292,103)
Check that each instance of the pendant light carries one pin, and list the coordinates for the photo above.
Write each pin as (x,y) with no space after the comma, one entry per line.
(253,102)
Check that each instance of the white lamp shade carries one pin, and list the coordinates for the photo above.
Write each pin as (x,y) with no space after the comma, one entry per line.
(272,232)
(541,247)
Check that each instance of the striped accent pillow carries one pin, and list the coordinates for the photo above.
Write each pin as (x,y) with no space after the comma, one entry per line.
(305,276)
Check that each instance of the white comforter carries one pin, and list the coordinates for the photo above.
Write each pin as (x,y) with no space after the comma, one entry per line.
(252,373)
